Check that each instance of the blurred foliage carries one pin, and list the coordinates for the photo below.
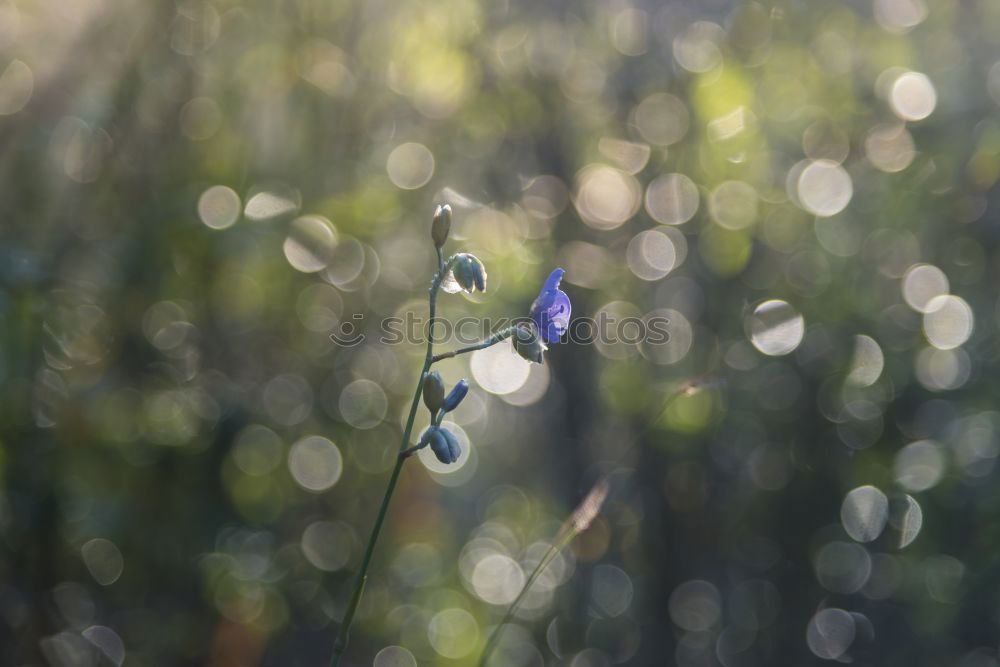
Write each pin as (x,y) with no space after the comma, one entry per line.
(197,194)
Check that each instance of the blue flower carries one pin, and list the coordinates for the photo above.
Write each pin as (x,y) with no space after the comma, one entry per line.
(443,444)
(550,311)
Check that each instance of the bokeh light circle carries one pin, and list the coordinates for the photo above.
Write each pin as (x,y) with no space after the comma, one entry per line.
(315,463)
(453,633)
(733,204)
(909,521)
(497,579)
(695,606)
(697,49)
(824,188)
(842,567)
(394,656)
(651,255)
(363,404)
(499,369)
(912,96)
(942,370)
(672,199)
(867,362)
(219,207)
(662,119)
(327,544)
(606,197)
(258,450)
(410,166)
(103,559)
(310,244)
(17,83)
(890,148)
(864,513)
(921,283)
(830,633)
(611,590)
(776,328)
(948,321)
(919,466)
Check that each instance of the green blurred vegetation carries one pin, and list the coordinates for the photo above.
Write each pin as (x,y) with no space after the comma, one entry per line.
(196,194)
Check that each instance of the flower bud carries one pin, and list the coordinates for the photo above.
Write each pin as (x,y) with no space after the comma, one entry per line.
(467,273)
(442,443)
(454,450)
(528,343)
(433,391)
(441,225)
(439,445)
(456,395)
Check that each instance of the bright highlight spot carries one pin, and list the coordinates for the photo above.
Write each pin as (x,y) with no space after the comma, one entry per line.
(830,633)
(606,197)
(824,188)
(919,466)
(948,321)
(310,243)
(410,166)
(864,513)
(315,463)
(672,199)
(219,207)
(912,96)
(921,284)
(651,255)
(776,328)
(498,369)
(867,362)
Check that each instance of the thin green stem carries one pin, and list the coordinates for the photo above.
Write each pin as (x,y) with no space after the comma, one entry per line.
(343,635)
(501,335)
(558,545)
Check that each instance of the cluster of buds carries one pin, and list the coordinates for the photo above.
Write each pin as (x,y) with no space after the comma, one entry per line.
(442,441)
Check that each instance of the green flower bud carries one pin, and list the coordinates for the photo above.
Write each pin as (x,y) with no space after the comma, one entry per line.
(433,391)
(528,343)
(441,225)
(467,273)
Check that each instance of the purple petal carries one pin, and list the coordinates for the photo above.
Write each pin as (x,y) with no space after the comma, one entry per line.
(554,279)
(556,318)
(551,310)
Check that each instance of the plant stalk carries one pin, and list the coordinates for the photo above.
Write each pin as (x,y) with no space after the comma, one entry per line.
(553,550)
(340,644)
(503,334)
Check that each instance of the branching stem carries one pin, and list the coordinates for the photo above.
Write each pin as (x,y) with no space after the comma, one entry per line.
(343,635)
(501,335)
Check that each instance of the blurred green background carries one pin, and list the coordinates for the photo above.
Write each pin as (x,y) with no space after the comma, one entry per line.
(195,195)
